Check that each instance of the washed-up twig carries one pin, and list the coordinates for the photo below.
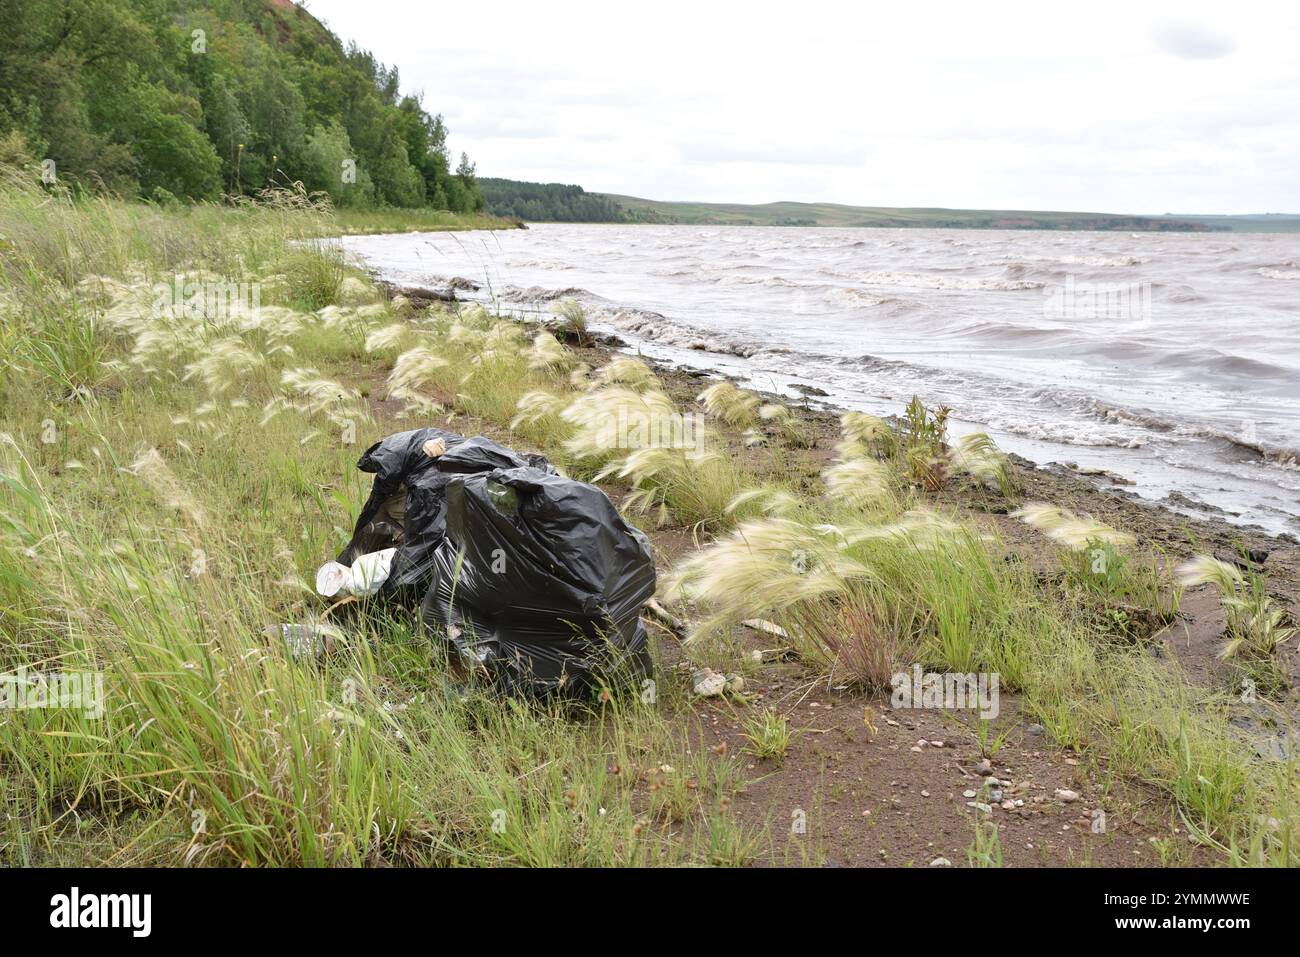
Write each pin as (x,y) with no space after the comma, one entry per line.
(338,604)
(651,620)
(671,621)
(765,626)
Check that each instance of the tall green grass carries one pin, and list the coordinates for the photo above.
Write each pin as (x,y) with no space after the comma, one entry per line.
(167,485)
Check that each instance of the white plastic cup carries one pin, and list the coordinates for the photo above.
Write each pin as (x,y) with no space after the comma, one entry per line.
(332,579)
(369,572)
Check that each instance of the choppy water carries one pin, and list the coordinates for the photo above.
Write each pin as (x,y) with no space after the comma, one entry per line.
(1172,359)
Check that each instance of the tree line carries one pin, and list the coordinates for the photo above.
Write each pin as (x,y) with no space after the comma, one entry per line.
(549,202)
(168,99)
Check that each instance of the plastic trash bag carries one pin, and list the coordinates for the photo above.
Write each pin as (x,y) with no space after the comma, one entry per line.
(405,507)
(533,578)
(394,461)
(540,582)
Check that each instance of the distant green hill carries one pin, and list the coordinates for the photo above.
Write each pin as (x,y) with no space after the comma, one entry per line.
(1256,223)
(834,214)
(566,203)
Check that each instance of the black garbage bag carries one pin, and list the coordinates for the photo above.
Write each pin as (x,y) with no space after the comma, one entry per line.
(539,581)
(406,503)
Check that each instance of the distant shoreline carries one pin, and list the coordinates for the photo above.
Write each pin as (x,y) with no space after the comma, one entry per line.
(525,223)
(565,203)
(834,214)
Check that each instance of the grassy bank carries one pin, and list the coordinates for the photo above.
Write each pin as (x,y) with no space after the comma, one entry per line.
(169,481)
(169,484)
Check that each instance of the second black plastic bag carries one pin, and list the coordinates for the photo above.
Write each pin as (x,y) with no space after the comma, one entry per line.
(540,582)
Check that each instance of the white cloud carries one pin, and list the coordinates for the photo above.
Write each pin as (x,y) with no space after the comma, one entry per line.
(1112,106)
(1192,41)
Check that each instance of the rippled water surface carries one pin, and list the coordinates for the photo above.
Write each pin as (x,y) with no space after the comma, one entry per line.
(1172,359)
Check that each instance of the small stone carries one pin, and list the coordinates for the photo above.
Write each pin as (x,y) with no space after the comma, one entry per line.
(708,683)
(1066,795)
(941,862)
(925,794)
(984,768)
(968,793)
(1036,729)
(915,748)
(936,744)
(1008,805)
(735,684)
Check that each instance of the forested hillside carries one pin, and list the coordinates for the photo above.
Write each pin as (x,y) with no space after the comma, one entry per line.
(549,202)
(171,99)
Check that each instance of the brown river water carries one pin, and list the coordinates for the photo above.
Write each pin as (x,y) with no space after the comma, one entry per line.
(1172,359)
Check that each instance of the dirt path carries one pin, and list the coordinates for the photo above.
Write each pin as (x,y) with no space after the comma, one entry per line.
(909,792)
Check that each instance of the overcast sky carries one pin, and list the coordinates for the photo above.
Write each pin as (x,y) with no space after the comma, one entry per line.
(1125,107)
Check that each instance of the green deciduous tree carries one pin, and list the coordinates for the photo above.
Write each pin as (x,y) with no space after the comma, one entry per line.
(192,99)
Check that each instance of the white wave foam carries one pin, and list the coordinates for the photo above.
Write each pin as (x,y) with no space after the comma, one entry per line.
(923,281)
